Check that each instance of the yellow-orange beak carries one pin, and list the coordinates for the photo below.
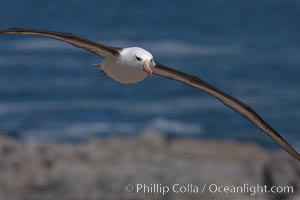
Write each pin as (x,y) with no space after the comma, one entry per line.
(147,68)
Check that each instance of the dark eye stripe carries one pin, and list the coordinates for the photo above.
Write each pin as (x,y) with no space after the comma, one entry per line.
(138,58)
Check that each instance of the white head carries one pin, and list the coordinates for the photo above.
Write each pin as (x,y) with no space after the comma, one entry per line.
(138,58)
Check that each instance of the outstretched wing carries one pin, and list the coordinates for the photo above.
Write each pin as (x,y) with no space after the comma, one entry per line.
(228,100)
(99,49)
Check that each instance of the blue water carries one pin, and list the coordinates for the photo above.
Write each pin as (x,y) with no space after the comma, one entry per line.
(48,89)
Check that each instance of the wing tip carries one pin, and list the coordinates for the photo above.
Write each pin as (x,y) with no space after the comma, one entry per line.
(295,154)
(290,150)
(29,30)
(14,30)
(11,29)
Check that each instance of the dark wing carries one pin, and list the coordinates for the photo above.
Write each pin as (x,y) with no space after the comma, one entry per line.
(228,100)
(99,49)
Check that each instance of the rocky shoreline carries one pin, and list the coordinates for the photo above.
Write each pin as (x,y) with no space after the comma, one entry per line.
(106,168)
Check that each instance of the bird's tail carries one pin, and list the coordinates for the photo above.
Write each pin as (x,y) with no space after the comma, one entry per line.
(97,65)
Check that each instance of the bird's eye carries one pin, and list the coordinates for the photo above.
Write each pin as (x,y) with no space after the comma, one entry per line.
(138,58)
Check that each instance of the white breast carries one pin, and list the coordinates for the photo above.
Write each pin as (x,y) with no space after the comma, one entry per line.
(120,68)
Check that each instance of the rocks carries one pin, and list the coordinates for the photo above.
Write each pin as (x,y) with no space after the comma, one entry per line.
(101,168)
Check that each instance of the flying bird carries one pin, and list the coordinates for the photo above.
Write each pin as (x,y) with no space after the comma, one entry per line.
(134,64)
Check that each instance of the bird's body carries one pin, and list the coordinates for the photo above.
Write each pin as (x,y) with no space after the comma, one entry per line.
(123,68)
(134,64)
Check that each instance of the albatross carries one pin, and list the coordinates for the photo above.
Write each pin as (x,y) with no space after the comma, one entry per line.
(133,64)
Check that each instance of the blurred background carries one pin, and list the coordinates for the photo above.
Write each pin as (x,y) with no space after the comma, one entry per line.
(50,91)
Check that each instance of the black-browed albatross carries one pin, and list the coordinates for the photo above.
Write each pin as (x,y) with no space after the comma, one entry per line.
(133,64)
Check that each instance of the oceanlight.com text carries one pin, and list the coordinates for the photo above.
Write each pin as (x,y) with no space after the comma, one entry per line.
(211,188)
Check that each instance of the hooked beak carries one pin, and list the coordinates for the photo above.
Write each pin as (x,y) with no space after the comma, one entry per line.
(147,68)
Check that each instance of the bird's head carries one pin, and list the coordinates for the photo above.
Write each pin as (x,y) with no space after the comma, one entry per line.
(139,58)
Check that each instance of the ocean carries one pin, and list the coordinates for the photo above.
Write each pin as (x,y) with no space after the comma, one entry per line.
(49,90)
